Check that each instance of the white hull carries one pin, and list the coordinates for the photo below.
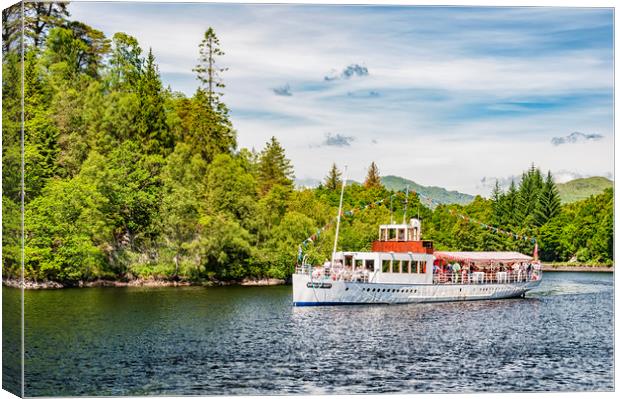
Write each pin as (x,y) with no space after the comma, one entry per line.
(308,291)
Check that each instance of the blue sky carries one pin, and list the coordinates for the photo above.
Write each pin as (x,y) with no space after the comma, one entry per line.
(447,96)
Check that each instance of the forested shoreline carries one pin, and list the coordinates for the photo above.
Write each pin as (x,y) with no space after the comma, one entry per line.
(126,179)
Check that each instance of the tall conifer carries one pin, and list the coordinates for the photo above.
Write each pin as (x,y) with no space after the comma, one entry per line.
(333,180)
(152,126)
(549,201)
(373,180)
(273,167)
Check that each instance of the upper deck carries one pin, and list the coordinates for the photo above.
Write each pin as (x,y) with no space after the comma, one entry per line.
(402,238)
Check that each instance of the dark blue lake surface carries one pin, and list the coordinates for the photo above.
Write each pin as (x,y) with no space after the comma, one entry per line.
(250,340)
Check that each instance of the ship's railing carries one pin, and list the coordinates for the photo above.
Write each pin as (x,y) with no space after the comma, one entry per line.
(361,275)
(335,274)
(506,277)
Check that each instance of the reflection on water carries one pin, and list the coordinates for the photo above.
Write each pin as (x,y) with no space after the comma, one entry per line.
(250,340)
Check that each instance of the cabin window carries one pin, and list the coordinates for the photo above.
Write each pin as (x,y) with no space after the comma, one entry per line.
(395,266)
(407,266)
(370,265)
(392,234)
(416,266)
(401,234)
(422,268)
(359,263)
(386,266)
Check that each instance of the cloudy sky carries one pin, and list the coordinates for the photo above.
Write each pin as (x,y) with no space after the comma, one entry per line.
(445,96)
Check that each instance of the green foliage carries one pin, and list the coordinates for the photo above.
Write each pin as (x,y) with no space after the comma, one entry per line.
(273,167)
(333,180)
(548,202)
(373,180)
(207,71)
(66,231)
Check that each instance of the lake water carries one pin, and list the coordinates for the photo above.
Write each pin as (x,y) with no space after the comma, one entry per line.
(250,340)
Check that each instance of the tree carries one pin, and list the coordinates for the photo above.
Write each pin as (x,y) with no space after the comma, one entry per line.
(528,196)
(66,231)
(11,28)
(75,49)
(208,73)
(125,63)
(183,188)
(40,17)
(202,128)
(549,201)
(333,180)
(273,167)
(499,212)
(511,204)
(373,180)
(152,126)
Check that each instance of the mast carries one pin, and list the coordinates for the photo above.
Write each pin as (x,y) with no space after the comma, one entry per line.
(406,202)
(344,182)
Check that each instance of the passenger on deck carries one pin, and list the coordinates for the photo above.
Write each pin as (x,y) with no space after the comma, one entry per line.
(456,268)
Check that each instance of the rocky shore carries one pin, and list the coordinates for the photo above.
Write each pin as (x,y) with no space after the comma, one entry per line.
(43,285)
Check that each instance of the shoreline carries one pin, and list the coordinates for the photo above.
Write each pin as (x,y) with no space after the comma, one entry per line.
(547,267)
(152,283)
(263,282)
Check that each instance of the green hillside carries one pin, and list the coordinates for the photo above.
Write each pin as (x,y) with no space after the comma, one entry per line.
(578,189)
(438,194)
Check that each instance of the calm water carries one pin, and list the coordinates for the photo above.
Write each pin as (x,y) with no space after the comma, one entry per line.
(250,340)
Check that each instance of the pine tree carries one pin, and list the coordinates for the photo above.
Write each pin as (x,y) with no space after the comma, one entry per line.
(273,167)
(497,196)
(208,73)
(373,180)
(209,95)
(529,192)
(510,204)
(549,201)
(152,126)
(333,180)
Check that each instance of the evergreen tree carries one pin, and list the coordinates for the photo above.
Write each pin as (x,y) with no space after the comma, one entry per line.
(529,192)
(333,180)
(152,127)
(497,196)
(208,73)
(273,167)
(510,205)
(207,132)
(549,201)
(373,180)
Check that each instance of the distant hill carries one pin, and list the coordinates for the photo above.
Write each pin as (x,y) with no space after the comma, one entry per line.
(579,189)
(438,194)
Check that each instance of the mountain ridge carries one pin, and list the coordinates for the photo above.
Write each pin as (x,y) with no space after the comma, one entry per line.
(582,188)
(439,195)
